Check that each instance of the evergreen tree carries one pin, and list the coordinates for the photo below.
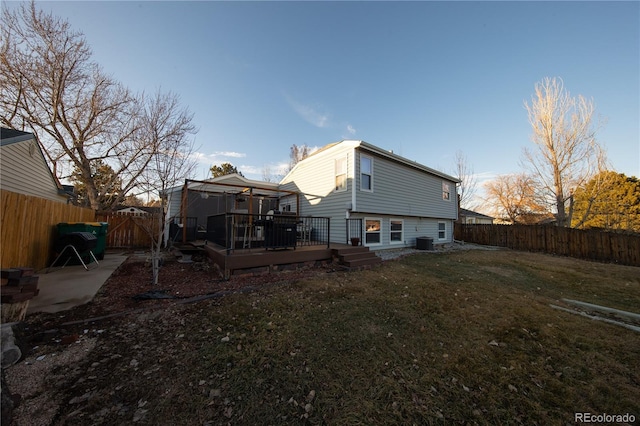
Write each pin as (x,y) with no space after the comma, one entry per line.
(610,201)
(224,169)
(107,184)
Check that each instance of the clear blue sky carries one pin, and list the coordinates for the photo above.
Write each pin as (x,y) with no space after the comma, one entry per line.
(423,79)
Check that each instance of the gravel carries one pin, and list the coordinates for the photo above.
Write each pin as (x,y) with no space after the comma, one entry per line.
(391,254)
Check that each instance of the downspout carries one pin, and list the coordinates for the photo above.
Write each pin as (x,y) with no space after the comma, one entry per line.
(353,182)
(250,208)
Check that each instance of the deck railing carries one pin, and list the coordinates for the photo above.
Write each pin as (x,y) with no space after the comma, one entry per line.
(354,229)
(235,231)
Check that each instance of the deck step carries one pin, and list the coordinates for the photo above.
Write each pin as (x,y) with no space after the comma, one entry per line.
(360,263)
(356,257)
(350,250)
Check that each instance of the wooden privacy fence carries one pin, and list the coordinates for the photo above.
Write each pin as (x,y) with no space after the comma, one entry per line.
(580,243)
(28,228)
(130,230)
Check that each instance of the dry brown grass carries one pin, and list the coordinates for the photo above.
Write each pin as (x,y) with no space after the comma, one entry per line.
(456,338)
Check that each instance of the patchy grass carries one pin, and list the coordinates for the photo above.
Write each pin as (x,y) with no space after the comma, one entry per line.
(456,338)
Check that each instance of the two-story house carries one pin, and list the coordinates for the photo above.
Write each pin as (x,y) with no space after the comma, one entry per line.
(373,194)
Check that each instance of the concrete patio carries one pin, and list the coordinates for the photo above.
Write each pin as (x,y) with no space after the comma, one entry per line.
(64,288)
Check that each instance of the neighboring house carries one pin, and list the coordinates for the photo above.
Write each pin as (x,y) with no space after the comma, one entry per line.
(23,168)
(130,210)
(474,218)
(138,211)
(395,199)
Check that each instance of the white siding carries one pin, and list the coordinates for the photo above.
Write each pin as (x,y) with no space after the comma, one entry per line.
(25,171)
(174,200)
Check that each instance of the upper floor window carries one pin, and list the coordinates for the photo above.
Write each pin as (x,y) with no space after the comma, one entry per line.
(446,192)
(341,174)
(366,173)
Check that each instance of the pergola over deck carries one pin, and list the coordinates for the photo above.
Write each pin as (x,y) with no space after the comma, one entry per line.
(231,185)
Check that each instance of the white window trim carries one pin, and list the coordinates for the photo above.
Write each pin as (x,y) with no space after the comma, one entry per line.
(370,159)
(391,241)
(346,175)
(446,185)
(445,231)
(379,219)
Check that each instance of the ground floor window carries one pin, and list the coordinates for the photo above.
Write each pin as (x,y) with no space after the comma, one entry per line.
(442,230)
(372,229)
(396,227)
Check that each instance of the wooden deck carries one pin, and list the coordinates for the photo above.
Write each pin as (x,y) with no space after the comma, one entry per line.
(261,260)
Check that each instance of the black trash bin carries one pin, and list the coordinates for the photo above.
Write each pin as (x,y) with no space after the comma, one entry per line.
(424,243)
(99,229)
(83,242)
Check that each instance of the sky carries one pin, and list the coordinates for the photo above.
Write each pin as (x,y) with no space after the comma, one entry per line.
(424,79)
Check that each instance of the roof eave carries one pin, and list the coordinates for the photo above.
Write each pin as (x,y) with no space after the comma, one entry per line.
(394,157)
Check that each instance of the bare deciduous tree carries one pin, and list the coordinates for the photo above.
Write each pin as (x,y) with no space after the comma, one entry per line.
(468,182)
(566,153)
(50,86)
(297,154)
(166,128)
(267,176)
(513,197)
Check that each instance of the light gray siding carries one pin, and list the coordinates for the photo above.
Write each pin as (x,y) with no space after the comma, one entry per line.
(412,228)
(314,179)
(25,171)
(401,190)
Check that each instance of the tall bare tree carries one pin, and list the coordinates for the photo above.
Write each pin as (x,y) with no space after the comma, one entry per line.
(468,181)
(297,154)
(267,175)
(107,184)
(566,152)
(81,116)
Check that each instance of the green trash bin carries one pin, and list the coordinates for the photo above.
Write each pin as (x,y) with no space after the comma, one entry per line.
(99,229)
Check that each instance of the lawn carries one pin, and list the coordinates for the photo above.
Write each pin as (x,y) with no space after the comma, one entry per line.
(466,337)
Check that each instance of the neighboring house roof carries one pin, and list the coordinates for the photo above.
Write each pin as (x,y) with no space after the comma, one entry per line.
(137,209)
(9,136)
(381,152)
(468,213)
(24,169)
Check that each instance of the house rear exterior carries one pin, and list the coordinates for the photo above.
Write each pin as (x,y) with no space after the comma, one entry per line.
(394,199)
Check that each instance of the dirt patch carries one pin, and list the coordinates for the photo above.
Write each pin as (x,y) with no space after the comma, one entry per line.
(55,345)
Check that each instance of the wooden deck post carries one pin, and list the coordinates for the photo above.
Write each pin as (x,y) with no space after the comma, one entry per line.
(183,209)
